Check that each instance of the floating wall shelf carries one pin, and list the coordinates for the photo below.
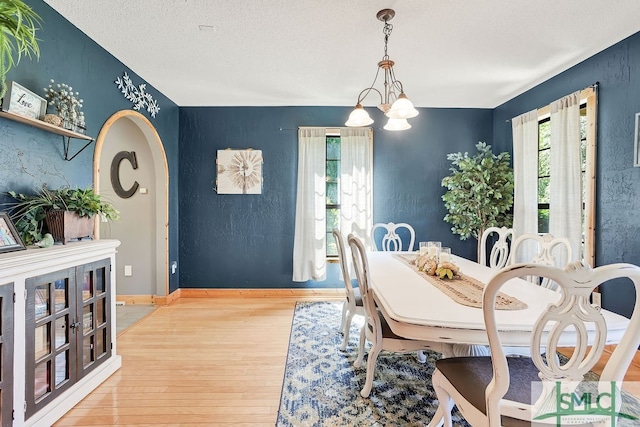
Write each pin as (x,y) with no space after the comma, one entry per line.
(66,134)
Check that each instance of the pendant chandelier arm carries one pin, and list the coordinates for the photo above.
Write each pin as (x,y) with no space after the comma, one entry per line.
(366,92)
(395,82)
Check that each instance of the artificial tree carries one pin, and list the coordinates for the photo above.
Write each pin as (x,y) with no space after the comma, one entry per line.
(18,26)
(479,192)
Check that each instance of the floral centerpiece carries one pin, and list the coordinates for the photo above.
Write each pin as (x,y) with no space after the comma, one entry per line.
(68,105)
(430,265)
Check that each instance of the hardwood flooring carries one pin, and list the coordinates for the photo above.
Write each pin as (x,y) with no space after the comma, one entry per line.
(199,362)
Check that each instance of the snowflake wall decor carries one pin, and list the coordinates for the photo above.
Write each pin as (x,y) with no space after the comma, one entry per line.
(137,95)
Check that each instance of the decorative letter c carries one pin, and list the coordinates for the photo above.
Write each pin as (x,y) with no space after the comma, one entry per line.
(115,173)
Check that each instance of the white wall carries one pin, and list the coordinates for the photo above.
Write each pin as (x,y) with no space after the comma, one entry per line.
(136,227)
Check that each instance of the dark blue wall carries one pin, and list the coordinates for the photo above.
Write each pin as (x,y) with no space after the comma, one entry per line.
(30,157)
(617,69)
(246,241)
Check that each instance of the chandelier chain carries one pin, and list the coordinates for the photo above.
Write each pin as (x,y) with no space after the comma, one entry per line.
(387,32)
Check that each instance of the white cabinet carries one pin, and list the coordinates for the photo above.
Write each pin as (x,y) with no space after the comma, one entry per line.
(62,342)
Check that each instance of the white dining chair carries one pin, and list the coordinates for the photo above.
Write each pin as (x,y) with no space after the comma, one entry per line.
(353,303)
(391,241)
(376,329)
(499,254)
(542,249)
(497,390)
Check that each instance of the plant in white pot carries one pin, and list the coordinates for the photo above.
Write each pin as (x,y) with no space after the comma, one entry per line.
(18,26)
(479,192)
(66,213)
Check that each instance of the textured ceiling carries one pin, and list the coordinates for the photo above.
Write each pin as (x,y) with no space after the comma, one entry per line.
(448,53)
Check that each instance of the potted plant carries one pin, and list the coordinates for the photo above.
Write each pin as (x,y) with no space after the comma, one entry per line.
(66,213)
(18,25)
(480,192)
(68,106)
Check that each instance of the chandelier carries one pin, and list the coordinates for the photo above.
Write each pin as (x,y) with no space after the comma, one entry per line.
(393,102)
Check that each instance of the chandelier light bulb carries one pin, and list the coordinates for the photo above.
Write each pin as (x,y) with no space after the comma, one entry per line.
(402,108)
(397,124)
(359,117)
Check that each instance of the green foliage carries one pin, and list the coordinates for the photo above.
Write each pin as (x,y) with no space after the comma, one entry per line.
(480,192)
(18,25)
(28,212)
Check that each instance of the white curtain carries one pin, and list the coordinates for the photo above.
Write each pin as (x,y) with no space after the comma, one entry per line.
(356,182)
(525,169)
(565,198)
(309,255)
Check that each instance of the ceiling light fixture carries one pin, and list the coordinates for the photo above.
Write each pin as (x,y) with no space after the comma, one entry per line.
(393,102)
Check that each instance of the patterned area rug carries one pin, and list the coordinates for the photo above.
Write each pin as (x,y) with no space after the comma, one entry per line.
(322,387)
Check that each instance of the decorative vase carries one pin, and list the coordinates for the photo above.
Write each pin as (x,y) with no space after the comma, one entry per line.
(53,119)
(66,225)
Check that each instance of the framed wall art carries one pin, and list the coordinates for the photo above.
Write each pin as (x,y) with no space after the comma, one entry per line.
(9,238)
(239,171)
(636,142)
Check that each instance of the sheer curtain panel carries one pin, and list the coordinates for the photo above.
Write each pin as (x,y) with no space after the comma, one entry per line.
(565,197)
(525,170)
(356,182)
(309,256)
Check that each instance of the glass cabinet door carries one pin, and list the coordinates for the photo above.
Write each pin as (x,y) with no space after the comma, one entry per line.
(6,354)
(51,323)
(94,296)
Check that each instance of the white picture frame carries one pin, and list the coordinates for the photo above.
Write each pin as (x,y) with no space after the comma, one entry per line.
(22,101)
(636,142)
(239,171)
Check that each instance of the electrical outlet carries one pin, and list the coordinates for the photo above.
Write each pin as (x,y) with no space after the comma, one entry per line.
(596,299)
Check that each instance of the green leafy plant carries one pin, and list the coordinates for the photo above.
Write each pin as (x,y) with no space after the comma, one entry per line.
(29,211)
(480,192)
(18,25)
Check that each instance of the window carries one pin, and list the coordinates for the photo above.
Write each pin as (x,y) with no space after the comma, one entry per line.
(587,148)
(332,191)
(544,166)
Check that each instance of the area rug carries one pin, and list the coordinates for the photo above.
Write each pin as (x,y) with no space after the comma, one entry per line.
(322,387)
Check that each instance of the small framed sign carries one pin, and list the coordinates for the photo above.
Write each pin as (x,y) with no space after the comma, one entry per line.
(22,101)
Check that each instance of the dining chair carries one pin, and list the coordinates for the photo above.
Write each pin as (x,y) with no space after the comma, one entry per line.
(376,329)
(542,249)
(497,390)
(499,254)
(391,241)
(353,303)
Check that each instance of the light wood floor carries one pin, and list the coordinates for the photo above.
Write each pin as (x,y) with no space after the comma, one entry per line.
(199,362)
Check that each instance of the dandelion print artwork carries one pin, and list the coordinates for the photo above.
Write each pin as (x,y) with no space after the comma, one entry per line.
(239,171)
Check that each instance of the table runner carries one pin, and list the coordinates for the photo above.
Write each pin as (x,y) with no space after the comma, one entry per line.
(463,289)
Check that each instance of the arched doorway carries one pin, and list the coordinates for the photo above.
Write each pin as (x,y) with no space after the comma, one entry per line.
(129,153)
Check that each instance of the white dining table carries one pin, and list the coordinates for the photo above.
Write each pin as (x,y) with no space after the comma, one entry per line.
(416,309)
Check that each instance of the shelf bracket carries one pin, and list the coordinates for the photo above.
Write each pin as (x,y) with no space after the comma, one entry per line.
(66,142)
